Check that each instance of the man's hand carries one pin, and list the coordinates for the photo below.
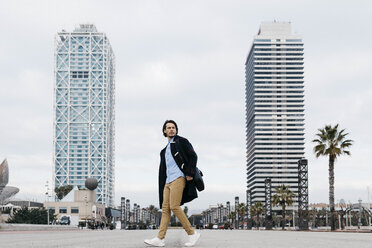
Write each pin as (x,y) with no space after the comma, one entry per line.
(188,178)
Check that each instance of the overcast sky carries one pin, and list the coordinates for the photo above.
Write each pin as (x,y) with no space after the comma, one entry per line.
(184,60)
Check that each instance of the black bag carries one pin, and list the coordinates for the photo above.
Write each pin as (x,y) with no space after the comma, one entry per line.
(198,180)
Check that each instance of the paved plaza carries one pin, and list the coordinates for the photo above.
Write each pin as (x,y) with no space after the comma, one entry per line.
(177,237)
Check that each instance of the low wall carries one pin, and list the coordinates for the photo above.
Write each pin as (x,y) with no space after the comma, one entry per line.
(33,227)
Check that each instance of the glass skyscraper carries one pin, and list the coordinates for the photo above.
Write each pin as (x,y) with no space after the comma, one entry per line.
(84,124)
(274,72)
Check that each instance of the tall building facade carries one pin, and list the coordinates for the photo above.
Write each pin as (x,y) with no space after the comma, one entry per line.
(274,74)
(84,124)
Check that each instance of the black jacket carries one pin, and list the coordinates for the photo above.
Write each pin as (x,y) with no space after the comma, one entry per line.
(186,159)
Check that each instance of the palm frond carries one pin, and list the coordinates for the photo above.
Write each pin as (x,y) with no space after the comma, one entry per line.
(336,151)
(328,151)
(317,140)
(346,143)
(322,135)
(346,152)
(341,135)
(319,148)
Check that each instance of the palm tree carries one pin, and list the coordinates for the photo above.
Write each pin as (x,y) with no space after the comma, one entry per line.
(283,196)
(154,211)
(332,143)
(256,210)
(242,209)
(231,216)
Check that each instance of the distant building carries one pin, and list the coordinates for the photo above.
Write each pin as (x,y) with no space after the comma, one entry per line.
(274,88)
(84,124)
(112,215)
(25,203)
(80,205)
(196,219)
(7,210)
(216,214)
(339,206)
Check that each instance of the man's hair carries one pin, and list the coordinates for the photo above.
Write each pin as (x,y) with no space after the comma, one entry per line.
(165,124)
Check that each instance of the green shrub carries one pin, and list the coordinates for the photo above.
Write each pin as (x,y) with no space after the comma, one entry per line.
(31,216)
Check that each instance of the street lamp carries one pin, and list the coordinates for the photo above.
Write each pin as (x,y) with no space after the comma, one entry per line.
(360,213)
(86,210)
(47,196)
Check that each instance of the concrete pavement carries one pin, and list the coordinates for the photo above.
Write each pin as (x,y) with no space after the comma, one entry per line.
(177,237)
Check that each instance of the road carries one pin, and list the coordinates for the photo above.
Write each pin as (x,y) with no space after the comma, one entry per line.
(177,237)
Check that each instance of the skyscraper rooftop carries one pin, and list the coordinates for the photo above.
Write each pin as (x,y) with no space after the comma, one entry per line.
(275,29)
(86,28)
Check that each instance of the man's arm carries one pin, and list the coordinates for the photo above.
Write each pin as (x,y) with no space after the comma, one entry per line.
(192,158)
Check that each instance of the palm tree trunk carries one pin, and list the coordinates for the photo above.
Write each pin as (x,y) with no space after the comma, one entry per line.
(283,216)
(332,191)
(238,220)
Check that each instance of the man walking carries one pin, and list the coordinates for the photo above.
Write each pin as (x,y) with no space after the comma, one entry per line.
(177,169)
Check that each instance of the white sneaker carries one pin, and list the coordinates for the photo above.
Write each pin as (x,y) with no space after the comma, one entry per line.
(155,242)
(193,239)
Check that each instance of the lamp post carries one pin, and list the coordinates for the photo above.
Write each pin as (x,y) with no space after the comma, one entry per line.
(369,207)
(86,210)
(47,196)
(360,213)
(350,213)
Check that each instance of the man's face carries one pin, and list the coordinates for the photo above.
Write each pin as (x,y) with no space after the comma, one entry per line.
(170,130)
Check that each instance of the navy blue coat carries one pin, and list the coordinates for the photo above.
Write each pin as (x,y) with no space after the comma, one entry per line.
(186,159)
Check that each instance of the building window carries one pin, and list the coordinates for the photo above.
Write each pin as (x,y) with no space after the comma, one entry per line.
(293,40)
(52,210)
(63,210)
(74,210)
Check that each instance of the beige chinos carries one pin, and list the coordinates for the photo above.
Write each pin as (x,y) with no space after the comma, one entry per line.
(172,197)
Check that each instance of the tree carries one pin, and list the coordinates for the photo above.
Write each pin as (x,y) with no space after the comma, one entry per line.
(342,213)
(256,210)
(154,211)
(62,191)
(332,143)
(313,215)
(231,216)
(242,209)
(31,216)
(283,196)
